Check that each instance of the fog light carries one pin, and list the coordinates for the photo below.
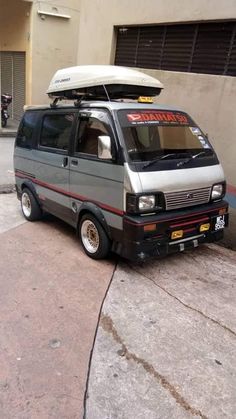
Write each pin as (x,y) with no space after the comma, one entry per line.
(177,234)
(204,227)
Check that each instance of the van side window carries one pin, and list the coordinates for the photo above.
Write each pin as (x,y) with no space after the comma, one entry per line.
(89,131)
(56,131)
(25,134)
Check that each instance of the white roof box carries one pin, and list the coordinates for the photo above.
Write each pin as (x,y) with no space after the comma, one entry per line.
(102,82)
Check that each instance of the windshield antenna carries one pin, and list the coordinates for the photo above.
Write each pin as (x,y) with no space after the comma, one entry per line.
(107,95)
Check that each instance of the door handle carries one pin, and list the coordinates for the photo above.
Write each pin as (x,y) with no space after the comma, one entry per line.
(74,162)
(65,161)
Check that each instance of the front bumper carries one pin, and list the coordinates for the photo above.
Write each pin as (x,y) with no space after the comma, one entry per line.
(139,244)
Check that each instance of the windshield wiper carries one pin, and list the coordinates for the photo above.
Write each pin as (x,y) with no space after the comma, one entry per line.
(150,163)
(194,156)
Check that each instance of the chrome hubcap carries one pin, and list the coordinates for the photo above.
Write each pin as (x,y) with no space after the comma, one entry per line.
(26,204)
(90,236)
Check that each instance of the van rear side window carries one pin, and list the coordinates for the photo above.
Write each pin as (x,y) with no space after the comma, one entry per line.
(56,131)
(25,134)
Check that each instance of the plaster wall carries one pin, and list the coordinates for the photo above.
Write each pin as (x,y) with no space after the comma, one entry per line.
(15,30)
(210,99)
(54,43)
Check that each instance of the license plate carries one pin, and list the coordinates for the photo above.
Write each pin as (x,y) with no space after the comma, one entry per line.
(219,222)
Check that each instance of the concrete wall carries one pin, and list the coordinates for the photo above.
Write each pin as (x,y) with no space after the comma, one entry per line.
(49,42)
(54,43)
(210,99)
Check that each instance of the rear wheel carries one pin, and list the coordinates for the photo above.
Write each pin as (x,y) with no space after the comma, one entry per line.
(30,207)
(94,240)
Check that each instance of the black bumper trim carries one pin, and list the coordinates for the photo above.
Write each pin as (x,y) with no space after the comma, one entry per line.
(140,245)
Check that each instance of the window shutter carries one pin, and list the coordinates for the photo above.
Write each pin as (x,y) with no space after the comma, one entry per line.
(126,48)
(197,47)
(178,47)
(150,46)
(231,68)
(211,49)
(18,84)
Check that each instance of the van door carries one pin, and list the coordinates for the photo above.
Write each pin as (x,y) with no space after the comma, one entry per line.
(92,179)
(52,162)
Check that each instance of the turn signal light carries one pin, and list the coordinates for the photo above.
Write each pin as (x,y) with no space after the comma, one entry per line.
(177,234)
(222,211)
(205,227)
(150,227)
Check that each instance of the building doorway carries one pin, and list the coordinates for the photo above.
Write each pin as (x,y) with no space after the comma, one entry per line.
(13,81)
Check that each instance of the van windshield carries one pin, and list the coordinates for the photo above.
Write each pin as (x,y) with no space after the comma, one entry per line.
(157,135)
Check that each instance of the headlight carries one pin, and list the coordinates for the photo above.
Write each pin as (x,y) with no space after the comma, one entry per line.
(146,202)
(138,204)
(217,191)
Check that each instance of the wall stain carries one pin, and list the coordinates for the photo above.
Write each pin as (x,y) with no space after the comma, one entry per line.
(108,326)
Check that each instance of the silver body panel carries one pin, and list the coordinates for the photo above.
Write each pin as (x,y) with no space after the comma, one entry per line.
(101,183)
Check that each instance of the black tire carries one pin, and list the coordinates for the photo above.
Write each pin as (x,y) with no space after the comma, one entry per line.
(94,239)
(29,206)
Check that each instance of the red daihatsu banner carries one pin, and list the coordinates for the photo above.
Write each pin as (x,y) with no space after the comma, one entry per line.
(160,116)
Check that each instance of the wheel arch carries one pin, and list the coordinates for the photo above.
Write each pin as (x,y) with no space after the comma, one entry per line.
(89,207)
(29,185)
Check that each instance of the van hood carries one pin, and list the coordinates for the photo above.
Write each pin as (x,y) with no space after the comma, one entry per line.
(175,180)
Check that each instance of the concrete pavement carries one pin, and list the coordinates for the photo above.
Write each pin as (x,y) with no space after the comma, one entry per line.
(165,343)
(50,299)
(10,212)
(6,161)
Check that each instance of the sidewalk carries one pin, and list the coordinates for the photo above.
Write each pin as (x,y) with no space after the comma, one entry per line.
(230,232)
(10,130)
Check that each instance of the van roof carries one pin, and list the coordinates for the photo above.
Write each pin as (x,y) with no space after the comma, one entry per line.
(112,105)
(102,81)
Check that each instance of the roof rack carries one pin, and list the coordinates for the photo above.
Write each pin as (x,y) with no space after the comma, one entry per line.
(101,82)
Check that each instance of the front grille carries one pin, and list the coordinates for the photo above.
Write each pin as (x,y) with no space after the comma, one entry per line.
(189,198)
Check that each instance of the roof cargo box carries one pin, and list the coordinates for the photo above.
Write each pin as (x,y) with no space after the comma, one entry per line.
(103,82)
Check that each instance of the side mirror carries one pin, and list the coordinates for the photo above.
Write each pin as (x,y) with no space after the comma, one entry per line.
(104,147)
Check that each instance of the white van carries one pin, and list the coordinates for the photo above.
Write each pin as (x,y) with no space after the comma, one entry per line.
(131,176)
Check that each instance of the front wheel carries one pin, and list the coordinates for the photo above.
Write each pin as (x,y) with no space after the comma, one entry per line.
(30,207)
(94,240)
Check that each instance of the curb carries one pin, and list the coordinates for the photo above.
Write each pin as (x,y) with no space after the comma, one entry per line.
(8,134)
(7,189)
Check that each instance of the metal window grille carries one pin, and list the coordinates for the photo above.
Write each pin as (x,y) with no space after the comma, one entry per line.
(197,47)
